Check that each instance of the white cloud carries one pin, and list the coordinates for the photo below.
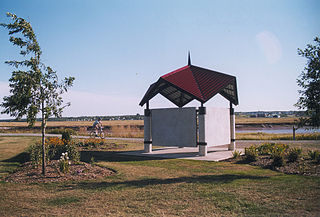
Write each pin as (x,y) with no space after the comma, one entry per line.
(270,46)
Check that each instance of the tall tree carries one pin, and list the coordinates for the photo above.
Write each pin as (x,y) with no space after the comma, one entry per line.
(309,81)
(34,87)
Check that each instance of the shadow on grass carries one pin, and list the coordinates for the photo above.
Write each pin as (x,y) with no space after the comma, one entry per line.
(19,158)
(112,156)
(204,179)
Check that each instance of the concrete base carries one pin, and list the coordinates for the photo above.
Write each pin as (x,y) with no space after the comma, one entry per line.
(203,150)
(147,148)
(213,154)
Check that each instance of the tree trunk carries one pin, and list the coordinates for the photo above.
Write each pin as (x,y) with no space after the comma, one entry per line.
(43,131)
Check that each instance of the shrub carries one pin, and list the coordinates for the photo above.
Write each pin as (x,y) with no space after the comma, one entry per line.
(251,153)
(92,161)
(73,152)
(278,158)
(294,154)
(266,149)
(58,146)
(314,154)
(66,135)
(280,148)
(269,148)
(236,154)
(54,149)
(92,142)
(35,152)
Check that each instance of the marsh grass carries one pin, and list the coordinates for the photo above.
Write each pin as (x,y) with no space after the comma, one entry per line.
(166,187)
(270,136)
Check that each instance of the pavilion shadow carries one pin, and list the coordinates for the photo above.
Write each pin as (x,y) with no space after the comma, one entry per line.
(206,179)
(112,156)
(19,158)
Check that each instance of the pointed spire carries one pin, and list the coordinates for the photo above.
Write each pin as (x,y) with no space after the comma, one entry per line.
(189,59)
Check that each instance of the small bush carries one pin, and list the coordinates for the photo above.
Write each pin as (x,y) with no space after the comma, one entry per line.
(58,146)
(92,160)
(236,154)
(66,135)
(92,142)
(294,154)
(54,149)
(35,152)
(282,148)
(278,158)
(73,152)
(251,153)
(314,155)
(266,149)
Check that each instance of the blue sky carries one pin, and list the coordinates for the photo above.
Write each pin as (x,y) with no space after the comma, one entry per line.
(116,49)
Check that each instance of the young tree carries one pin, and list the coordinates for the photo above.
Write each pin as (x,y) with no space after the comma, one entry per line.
(309,81)
(35,88)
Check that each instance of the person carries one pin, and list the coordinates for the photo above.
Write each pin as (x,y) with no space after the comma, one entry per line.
(97,125)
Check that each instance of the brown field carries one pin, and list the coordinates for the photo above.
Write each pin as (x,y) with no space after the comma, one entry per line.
(124,128)
(288,120)
(240,120)
(134,128)
(73,123)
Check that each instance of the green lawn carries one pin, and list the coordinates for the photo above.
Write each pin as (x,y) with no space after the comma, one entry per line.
(158,187)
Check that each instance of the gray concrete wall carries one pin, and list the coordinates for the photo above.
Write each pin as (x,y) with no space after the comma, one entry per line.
(217,126)
(174,127)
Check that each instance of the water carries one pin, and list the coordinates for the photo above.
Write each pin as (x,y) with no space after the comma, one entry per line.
(279,131)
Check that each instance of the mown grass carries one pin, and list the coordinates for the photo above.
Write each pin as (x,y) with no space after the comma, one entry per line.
(12,153)
(167,187)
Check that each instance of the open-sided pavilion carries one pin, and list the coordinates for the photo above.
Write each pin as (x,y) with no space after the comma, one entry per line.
(181,86)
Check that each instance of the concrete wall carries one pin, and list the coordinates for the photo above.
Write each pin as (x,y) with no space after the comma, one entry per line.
(217,126)
(174,127)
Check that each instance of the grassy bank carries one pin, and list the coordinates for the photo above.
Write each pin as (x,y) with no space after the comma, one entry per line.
(157,187)
(271,136)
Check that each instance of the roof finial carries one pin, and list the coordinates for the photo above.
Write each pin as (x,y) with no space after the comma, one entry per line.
(189,59)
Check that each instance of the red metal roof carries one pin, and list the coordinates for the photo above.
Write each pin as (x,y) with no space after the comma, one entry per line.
(191,82)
